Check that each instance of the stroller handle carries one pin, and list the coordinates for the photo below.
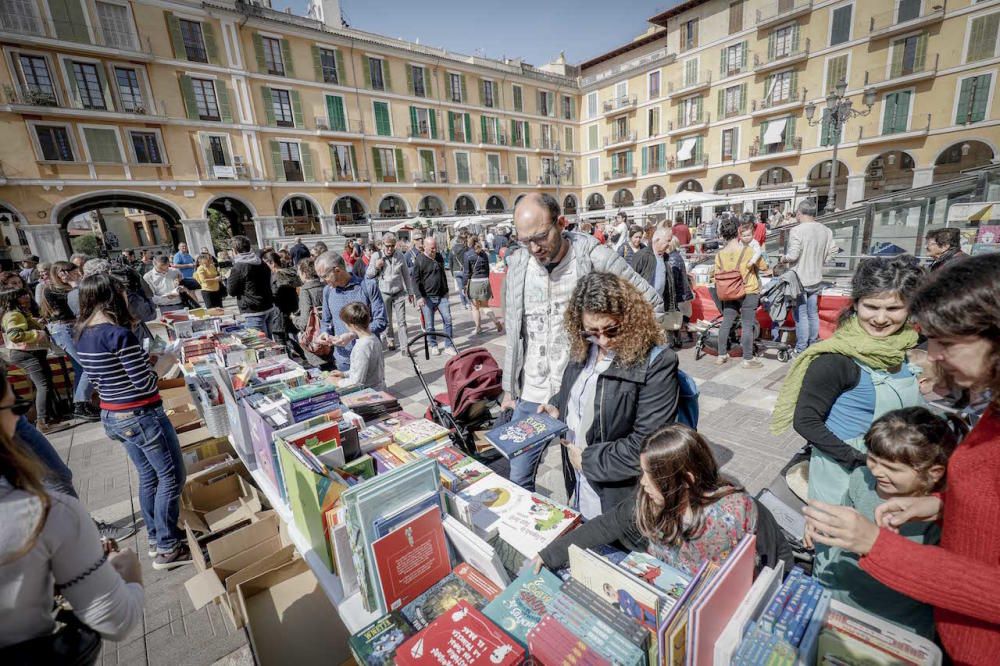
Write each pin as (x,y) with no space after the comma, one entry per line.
(423,336)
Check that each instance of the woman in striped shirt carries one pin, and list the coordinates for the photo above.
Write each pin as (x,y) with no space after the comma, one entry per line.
(132,412)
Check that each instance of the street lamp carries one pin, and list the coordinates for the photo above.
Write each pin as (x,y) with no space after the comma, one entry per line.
(838,111)
(557,170)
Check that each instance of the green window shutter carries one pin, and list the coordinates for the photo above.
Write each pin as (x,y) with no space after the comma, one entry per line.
(276,164)
(297,108)
(983,39)
(769,84)
(921,56)
(305,152)
(265,94)
(743,97)
(593,137)
(527,135)
(513,130)
(187,92)
(258,49)
(383,126)
(428,82)
(824,133)
(841,25)
(482,121)
(482,92)
(317,63)
(367,69)
(763,130)
(691,72)
(902,110)
(286,56)
(225,107)
(680,114)
(898,48)
(451,125)
(409,78)
(795,38)
(722,104)
(400,172)
(770,45)
(628,162)
(663,157)
(794,85)
(69,20)
(211,46)
(413,121)
(540,102)
(434,125)
(354,164)
(789,133)
(338,59)
(699,148)
(645,158)
(468,127)
(102,144)
(386,76)
(377,164)
(743,58)
(889,114)
(981,97)
(835,70)
(176,39)
(335,109)
(723,66)
(698,106)
(465,94)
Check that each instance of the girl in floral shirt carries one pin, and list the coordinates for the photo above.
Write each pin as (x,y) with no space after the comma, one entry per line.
(683,513)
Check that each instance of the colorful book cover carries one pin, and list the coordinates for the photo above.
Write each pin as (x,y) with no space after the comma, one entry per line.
(596,632)
(411,558)
(658,574)
(318,436)
(551,642)
(441,597)
(478,581)
(633,597)
(627,626)
(363,467)
(461,637)
(418,433)
(513,439)
(367,397)
(385,524)
(524,603)
(376,644)
(306,391)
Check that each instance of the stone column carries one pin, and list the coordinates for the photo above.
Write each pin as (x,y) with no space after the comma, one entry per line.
(328,225)
(269,229)
(855,190)
(45,241)
(197,235)
(923,176)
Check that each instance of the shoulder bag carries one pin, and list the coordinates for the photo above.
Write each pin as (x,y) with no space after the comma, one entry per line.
(730,285)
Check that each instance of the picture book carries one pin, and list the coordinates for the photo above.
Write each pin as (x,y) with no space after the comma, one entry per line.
(441,597)
(475,551)
(513,439)
(461,637)
(376,644)
(524,603)
(551,642)
(714,607)
(634,597)
(385,524)
(411,558)
(625,625)
(418,433)
(658,574)
(478,581)
(324,433)
(597,633)
(852,636)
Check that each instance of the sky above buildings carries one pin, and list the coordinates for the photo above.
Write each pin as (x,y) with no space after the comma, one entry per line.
(535,30)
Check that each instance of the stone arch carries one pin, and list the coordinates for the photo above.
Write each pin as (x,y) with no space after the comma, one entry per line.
(238,212)
(155,207)
(730,181)
(569,205)
(465,204)
(887,172)
(690,185)
(14,241)
(299,215)
(774,176)
(622,198)
(225,195)
(653,193)
(818,180)
(393,205)
(595,201)
(430,205)
(495,204)
(963,155)
(348,209)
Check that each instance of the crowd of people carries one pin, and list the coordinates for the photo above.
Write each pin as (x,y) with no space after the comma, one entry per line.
(897,407)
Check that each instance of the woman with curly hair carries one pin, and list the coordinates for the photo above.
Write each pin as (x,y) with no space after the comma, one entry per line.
(619,386)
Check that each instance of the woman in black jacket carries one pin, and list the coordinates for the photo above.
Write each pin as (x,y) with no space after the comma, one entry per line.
(619,387)
(310,298)
(476,268)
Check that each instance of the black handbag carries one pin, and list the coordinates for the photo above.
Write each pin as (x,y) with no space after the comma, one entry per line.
(71,644)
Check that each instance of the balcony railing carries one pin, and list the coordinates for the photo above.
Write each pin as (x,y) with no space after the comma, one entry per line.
(35,97)
(683,86)
(877,78)
(780,11)
(619,174)
(620,138)
(772,102)
(493,178)
(791,56)
(353,125)
(548,180)
(220,171)
(16,20)
(421,131)
(430,176)
(345,176)
(619,103)
(693,162)
(887,24)
(758,150)
(893,136)
(494,139)
(696,121)
(636,63)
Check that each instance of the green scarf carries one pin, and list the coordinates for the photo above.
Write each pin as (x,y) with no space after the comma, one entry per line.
(848,340)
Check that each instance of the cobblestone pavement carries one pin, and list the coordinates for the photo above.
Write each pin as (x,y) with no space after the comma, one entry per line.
(735,406)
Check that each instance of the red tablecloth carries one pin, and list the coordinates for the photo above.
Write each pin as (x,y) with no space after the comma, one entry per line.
(830,307)
(496,287)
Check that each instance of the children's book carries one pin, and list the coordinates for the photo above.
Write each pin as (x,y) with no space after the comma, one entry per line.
(376,644)
(524,603)
(513,439)
(461,637)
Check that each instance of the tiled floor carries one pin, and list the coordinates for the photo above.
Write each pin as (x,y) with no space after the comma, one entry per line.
(735,406)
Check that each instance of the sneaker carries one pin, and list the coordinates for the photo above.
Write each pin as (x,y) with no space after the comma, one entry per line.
(84,411)
(112,531)
(751,364)
(451,351)
(721,360)
(175,558)
(436,350)
(153,552)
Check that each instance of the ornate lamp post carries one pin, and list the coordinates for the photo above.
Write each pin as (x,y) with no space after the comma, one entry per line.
(558,169)
(839,109)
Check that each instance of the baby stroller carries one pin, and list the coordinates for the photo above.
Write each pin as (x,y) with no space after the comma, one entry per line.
(708,339)
(471,402)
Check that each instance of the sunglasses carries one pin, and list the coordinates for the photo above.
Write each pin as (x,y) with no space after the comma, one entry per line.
(19,407)
(610,332)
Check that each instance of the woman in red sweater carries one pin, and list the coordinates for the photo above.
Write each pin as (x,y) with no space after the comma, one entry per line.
(958,309)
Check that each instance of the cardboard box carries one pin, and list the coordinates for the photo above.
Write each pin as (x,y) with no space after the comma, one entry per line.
(165,384)
(198,444)
(235,557)
(217,497)
(289,618)
(184,417)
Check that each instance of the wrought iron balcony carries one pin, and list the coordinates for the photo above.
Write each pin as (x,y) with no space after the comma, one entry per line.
(693,163)
(766,106)
(430,177)
(789,57)
(619,104)
(902,74)
(888,24)
(691,124)
(886,137)
(619,174)
(345,176)
(422,131)
(781,11)
(352,125)
(760,153)
(683,86)
(620,139)
(494,138)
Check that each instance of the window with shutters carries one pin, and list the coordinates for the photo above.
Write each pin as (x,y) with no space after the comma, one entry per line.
(689,35)
(281,102)
(567,107)
(896,111)
(732,102)
(568,140)
(328,66)
(547,142)
(216,150)
(272,56)
(375,73)
(907,10)
(780,88)
(522,170)
(146,147)
(592,137)
(592,105)
(493,169)
(621,164)
(519,133)
(291,160)
(546,103)
(419,75)
(36,80)
(691,111)
(653,121)
(734,59)
(840,24)
(489,98)
(653,84)
(455,87)
(828,135)
(102,145)
(54,143)
(729,144)
(594,170)
(462,168)
(836,69)
(905,59)
(343,165)
(783,38)
(427,165)
(21,16)
(116,25)
(517,94)
(129,90)
(194,40)
(383,124)
(89,89)
(657,158)
(619,129)
(983,37)
(736,16)
(973,97)
(423,127)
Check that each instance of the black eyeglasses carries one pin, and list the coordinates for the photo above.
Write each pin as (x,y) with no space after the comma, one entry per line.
(20,407)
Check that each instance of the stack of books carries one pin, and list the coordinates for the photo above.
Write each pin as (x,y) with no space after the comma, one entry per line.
(308,400)
(457,469)
(370,404)
(420,432)
(197,349)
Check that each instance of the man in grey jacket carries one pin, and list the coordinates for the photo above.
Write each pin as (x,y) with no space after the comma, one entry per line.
(388,267)
(541,276)
(810,245)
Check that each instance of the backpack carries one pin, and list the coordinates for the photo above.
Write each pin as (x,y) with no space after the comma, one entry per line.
(687,393)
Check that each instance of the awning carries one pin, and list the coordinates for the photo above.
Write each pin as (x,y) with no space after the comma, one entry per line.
(774,132)
(686,150)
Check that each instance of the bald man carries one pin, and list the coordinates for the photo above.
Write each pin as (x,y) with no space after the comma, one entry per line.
(541,276)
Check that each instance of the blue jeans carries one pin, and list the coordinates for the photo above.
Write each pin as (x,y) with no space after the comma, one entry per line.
(524,467)
(60,477)
(62,335)
(260,320)
(460,283)
(151,443)
(440,305)
(807,319)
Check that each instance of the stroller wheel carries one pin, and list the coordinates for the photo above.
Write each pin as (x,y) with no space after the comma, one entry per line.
(698,350)
(783,355)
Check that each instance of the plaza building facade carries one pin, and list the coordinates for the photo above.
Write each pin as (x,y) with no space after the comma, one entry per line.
(288,125)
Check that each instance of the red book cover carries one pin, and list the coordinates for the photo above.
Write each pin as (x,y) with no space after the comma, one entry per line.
(328,432)
(477,581)
(411,558)
(461,637)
